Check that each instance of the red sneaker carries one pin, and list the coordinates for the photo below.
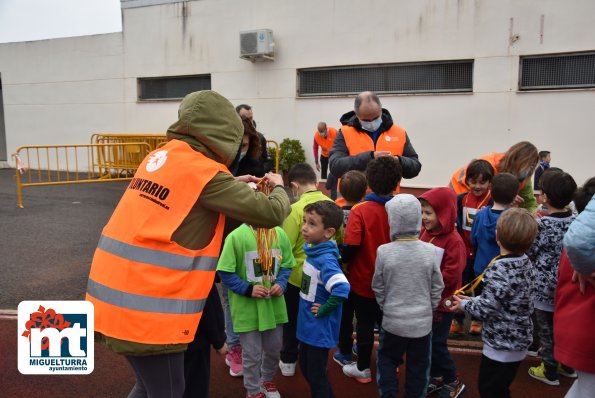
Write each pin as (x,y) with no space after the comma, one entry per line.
(270,389)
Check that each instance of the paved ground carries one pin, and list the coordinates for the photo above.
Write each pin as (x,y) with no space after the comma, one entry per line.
(47,247)
(45,253)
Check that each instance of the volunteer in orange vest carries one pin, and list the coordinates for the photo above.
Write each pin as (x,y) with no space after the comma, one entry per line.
(368,132)
(324,137)
(519,160)
(155,262)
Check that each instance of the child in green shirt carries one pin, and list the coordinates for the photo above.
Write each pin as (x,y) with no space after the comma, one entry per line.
(257,307)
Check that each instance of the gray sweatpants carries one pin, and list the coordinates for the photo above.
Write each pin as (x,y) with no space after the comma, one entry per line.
(260,356)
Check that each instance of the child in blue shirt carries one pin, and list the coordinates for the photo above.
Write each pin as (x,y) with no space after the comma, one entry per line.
(324,288)
(505,188)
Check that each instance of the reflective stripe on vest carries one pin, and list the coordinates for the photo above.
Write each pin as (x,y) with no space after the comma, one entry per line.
(357,142)
(326,143)
(145,287)
(457,181)
(156,257)
(137,302)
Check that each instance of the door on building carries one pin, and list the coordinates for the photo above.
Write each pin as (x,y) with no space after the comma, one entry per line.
(3,155)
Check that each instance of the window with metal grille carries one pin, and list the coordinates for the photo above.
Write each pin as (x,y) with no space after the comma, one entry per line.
(173,87)
(402,78)
(561,71)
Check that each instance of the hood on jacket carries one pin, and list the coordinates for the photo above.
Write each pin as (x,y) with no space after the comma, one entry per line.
(349,119)
(444,202)
(329,246)
(404,216)
(488,223)
(208,122)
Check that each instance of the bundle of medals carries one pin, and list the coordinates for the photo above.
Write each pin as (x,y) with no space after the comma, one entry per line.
(266,240)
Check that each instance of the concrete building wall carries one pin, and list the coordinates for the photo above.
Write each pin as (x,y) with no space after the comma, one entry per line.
(62,90)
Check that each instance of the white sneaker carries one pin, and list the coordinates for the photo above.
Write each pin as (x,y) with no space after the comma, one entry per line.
(287,369)
(362,376)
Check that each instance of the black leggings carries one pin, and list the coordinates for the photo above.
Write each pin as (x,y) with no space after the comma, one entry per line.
(158,376)
(367,313)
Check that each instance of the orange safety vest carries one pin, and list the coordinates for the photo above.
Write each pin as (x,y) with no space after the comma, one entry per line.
(392,140)
(457,181)
(326,143)
(146,288)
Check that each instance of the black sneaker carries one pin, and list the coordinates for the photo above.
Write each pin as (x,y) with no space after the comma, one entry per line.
(452,390)
(436,384)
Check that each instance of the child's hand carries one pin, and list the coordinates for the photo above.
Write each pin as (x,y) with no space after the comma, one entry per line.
(456,305)
(259,291)
(276,291)
(583,279)
(315,308)
(222,350)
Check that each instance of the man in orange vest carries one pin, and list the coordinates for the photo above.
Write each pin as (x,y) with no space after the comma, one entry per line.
(155,262)
(368,132)
(325,137)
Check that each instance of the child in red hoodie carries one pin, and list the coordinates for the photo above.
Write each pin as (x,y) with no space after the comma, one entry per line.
(439,213)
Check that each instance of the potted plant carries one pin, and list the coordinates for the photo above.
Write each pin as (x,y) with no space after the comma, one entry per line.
(291,152)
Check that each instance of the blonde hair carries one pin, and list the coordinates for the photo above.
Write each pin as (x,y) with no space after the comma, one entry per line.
(516,230)
(519,157)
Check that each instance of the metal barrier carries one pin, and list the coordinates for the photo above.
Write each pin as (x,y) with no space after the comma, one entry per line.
(42,165)
(132,156)
(152,139)
(276,145)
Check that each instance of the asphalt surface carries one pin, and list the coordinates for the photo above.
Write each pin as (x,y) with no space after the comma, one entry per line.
(45,254)
(46,248)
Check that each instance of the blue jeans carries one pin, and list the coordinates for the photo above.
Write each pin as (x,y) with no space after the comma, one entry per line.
(233,339)
(442,363)
(390,356)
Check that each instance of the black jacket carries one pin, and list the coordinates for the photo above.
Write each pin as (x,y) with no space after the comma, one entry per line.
(340,161)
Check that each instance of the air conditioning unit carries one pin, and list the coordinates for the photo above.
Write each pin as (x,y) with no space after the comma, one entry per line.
(257,45)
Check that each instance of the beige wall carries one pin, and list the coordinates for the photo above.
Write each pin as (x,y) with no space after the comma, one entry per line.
(62,90)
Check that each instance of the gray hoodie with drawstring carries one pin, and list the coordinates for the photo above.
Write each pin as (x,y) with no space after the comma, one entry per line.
(407,281)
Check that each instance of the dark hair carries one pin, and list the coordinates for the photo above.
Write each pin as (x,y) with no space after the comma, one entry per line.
(330,212)
(384,174)
(479,167)
(254,148)
(543,154)
(302,173)
(516,230)
(366,96)
(505,187)
(353,186)
(243,106)
(546,172)
(559,188)
(584,194)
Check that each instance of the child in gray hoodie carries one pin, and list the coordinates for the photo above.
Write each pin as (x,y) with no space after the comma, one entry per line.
(408,286)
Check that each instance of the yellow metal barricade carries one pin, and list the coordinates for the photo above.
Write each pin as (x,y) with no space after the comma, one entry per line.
(276,145)
(132,156)
(152,139)
(43,165)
